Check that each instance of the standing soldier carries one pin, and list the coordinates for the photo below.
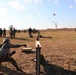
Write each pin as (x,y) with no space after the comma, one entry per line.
(4,32)
(30,32)
(0,32)
(14,32)
(10,31)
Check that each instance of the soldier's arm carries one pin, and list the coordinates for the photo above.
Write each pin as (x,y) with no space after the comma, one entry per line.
(17,45)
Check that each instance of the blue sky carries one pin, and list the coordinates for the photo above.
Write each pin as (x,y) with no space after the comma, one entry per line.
(23,14)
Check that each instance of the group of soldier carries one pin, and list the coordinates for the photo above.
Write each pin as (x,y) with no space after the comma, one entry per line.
(30,31)
(2,32)
(12,32)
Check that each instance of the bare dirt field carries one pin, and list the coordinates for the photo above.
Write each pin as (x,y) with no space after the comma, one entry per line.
(58,48)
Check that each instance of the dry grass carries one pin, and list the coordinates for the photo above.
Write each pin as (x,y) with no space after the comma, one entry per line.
(59,50)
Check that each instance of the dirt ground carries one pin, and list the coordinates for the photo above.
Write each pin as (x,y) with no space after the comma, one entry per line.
(59,50)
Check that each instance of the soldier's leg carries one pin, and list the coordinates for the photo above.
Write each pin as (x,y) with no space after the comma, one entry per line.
(14,63)
(1,60)
(0,63)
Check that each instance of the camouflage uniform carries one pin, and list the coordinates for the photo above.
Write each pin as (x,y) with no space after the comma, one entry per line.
(6,55)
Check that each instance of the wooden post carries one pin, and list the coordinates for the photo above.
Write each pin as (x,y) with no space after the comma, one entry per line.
(38,53)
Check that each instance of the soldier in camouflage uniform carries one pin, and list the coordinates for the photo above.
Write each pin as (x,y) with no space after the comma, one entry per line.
(5,55)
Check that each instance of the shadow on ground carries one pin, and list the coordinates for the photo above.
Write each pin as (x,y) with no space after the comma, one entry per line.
(7,71)
(50,69)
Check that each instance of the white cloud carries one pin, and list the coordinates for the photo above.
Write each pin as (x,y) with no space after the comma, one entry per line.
(56,1)
(74,0)
(29,17)
(3,12)
(38,14)
(31,1)
(48,0)
(71,6)
(35,8)
(16,5)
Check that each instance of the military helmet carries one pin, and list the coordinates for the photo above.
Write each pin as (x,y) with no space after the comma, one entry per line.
(6,40)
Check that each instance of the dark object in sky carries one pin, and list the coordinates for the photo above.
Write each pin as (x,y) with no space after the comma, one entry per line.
(54,14)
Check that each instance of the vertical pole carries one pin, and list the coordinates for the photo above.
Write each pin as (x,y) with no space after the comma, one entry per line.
(38,61)
(38,52)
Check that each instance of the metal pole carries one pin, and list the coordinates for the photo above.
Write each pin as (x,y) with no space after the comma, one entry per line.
(38,53)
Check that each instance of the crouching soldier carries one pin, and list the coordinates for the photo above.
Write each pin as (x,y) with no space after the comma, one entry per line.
(5,55)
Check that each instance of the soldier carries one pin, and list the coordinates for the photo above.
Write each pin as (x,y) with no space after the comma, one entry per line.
(14,32)
(5,55)
(0,32)
(11,30)
(30,32)
(4,32)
